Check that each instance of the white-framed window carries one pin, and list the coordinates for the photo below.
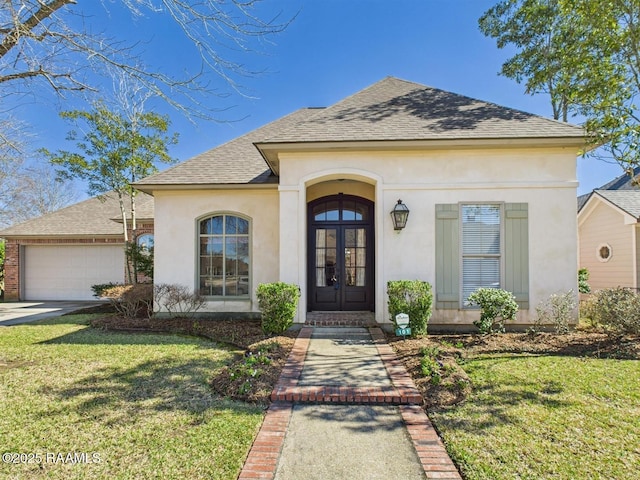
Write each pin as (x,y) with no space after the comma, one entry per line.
(604,252)
(482,247)
(224,258)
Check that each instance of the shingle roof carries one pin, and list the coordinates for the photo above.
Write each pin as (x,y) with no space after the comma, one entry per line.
(627,200)
(235,162)
(391,109)
(92,217)
(395,109)
(622,192)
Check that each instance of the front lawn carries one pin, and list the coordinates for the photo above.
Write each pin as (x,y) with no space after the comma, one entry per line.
(544,417)
(546,407)
(123,405)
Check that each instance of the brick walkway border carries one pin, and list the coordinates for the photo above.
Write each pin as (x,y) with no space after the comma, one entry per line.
(262,460)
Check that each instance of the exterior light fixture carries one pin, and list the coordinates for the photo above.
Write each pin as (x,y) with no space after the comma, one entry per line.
(399,215)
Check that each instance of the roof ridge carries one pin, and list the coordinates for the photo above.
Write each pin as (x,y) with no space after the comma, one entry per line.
(147,180)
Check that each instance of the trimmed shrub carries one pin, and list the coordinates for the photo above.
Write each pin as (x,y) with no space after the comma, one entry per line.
(99,289)
(496,307)
(278,303)
(615,310)
(131,301)
(558,310)
(413,297)
(177,300)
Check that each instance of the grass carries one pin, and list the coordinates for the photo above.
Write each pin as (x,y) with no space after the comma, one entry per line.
(138,403)
(546,417)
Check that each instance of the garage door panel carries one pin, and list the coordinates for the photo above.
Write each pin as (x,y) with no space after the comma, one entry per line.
(62,272)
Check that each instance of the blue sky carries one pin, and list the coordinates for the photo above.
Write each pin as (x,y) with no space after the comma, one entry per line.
(332,49)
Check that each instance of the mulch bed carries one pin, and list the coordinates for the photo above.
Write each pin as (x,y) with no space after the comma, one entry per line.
(454,349)
(233,381)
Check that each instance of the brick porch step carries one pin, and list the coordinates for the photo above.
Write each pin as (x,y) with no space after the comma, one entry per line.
(347,395)
(340,319)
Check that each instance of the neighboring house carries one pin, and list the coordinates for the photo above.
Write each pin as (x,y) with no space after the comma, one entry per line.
(59,256)
(306,199)
(609,233)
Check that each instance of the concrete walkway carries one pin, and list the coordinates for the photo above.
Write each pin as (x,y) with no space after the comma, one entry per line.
(15,313)
(346,408)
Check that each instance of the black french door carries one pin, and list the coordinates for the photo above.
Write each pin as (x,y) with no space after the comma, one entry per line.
(341,266)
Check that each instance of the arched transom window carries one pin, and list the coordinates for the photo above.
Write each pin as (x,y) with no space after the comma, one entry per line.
(224,256)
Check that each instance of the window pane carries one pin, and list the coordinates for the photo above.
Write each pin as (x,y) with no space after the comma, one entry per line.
(479,272)
(354,211)
(211,226)
(333,211)
(327,212)
(331,238)
(349,211)
(211,285)
(205,226)
(231,226)
(211,246)
(206,267)
(230,249)
(242,225)
(243,255)
(481,229)
(320,212)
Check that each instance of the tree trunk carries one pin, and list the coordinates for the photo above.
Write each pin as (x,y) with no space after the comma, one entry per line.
(134,239)
(125,234)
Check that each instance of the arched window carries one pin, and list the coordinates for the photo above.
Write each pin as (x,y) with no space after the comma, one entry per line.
(224,256)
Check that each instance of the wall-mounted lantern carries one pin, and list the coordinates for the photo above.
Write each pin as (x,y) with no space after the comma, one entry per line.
(399,215)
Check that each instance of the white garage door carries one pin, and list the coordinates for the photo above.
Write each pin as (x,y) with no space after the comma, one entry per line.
(57,272)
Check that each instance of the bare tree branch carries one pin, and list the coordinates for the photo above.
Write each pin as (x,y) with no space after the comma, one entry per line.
(55,42)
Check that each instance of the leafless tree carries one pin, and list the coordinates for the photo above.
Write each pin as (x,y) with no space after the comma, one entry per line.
(54,44)
(33,192)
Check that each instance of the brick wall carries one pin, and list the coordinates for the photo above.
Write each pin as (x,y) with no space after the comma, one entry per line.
(11,270)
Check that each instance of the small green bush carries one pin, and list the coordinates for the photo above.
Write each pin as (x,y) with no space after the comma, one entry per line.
(413,297)
(278,303)
(496,307)
(558,310)
(583,284)
(615,310)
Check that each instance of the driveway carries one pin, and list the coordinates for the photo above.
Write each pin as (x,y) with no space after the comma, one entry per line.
(14,313)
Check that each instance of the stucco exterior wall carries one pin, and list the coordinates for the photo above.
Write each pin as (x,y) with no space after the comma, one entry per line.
(545,179)
(176,237)
(604,224)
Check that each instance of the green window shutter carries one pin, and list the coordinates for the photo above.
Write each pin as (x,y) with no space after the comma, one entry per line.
(516,252)
(447,257)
